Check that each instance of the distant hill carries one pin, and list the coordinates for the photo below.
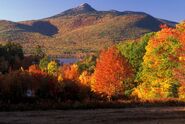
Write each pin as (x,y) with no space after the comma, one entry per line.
(79,31)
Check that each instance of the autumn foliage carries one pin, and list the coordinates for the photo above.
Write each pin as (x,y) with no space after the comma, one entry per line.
(163,66)
(111,73)
(149,69)
(45,85)
(85,78)
(70,72)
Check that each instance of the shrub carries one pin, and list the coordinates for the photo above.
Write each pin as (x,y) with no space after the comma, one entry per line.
(46,86)
(74,91)
(14,85)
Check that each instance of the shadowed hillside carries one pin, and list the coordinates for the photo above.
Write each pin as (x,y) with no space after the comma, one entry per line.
(42,27)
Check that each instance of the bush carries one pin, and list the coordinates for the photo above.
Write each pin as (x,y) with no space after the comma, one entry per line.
(44,84)
(14,86)
(74,91)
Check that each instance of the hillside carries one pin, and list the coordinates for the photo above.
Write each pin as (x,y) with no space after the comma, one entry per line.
(79,31)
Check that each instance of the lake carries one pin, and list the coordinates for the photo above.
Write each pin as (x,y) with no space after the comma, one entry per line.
(62,61)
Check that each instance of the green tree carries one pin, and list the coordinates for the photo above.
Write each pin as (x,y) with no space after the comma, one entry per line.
(135,50)
(88,64)
(13,52)
(43,64)
(38,52)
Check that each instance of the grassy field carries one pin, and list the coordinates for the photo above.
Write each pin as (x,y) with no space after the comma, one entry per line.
(153,115)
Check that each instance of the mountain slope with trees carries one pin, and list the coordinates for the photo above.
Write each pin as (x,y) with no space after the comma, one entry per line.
(79,31)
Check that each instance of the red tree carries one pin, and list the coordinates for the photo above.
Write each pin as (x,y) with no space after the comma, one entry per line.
(43,82)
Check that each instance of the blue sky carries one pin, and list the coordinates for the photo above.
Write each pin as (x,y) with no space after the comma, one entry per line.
(19,10)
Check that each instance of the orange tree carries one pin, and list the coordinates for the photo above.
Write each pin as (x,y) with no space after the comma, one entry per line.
(112,73)
(70,72)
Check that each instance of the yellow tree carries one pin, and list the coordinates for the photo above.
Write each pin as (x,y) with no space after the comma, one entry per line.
(85,78)
(163,64)
(52,67)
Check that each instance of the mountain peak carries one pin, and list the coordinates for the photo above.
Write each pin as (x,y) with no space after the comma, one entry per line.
(84,5)
(81,9)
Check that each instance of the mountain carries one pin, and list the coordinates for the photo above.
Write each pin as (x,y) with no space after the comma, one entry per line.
(83,8)
(79,31)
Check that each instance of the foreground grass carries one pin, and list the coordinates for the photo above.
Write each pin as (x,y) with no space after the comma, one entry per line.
(70,105)
(140,115)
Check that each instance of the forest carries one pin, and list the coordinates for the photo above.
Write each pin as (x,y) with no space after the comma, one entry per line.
(145,69)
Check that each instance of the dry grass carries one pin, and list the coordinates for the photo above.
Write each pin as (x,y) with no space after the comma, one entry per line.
(154,115)
(86,105)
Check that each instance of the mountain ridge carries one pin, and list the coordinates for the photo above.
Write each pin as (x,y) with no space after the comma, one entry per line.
(79,31)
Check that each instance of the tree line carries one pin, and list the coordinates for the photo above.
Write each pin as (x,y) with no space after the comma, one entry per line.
(148,68)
